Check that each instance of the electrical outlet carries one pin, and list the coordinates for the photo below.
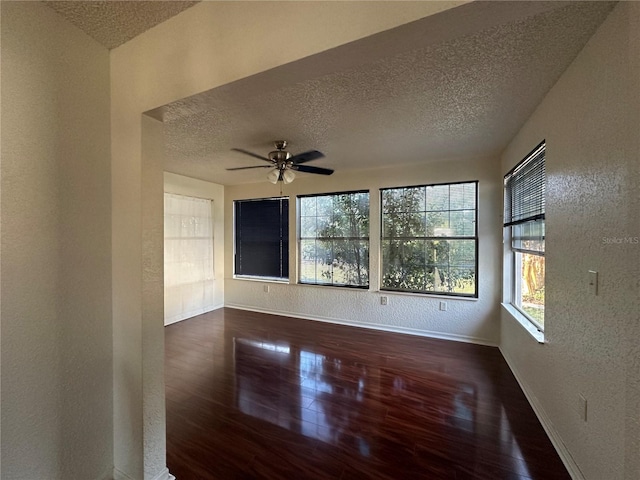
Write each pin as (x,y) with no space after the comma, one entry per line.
(266,288)
(384,300)
(443,306)
(582,407)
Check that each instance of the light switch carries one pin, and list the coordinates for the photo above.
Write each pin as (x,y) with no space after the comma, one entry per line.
(593,282)
(582,407)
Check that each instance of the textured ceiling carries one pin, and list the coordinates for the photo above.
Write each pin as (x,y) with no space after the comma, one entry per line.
(462,97)
(112,23)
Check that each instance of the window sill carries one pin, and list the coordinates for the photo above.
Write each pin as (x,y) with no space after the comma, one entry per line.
(427,295)
(261,279)
(526,324)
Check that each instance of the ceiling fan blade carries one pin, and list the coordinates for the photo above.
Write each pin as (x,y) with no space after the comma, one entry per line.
(310,169)
(246,168)
(251,154)
(306,157)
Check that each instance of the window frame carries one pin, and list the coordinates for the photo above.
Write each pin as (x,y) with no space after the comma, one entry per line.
(514,276)
(300,238)
(284,255)
(474,237)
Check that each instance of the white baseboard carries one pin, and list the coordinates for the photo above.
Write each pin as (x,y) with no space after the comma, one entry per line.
(118,475)
(371,326)
(163,475)
(552,433)
(171,321)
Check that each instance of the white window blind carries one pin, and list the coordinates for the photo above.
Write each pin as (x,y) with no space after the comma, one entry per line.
(524,188)
(188,257)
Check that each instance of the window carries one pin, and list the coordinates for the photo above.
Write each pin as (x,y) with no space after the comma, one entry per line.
(430,240)
(188,257)
(334,239)
(524,210)
(262,238)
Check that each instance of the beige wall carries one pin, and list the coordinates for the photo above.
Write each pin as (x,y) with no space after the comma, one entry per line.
(474,320)
(590,121)
(56,249)
(199,49)
(197,188)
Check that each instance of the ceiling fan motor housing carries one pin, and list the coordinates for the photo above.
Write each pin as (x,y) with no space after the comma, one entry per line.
(279,156)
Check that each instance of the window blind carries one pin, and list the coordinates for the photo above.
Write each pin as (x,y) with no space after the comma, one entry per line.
(188,257)
(525,189)
(262,238)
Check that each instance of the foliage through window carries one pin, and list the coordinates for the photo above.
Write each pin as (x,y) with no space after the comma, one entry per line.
(262,238)
(334,239)
(524,221)
(429,239)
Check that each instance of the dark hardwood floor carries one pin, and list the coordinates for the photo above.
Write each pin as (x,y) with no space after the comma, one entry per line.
(254,396)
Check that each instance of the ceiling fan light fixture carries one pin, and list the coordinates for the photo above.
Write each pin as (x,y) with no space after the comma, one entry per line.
(288,176)
(284,164)
(273,176)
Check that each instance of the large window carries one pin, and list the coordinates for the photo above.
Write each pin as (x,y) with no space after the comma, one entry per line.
(429,239)
(524,211)
(188,257)
(334,239)
(262,238)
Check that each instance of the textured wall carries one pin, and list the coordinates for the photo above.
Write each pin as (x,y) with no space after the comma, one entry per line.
(590,121)
(471,320)
(199,49)
(197,188)
(56,249)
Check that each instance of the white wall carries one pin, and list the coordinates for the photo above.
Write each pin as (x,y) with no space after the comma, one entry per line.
(197,188)
(465,319)
(56,249)
(590,121)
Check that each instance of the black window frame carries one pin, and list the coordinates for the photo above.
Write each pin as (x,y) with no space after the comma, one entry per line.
(367,238)
(474,238)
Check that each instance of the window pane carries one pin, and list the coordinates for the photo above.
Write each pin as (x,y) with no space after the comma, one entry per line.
(463,223)
(404,225)
(340,253)
(420,252)
(403,200)
(350,262)
(325,205)
(438,224)
(437,197)
(403,265)
(456,197)
(307,227)
(308,270)
(528,236)
(529,288)
(308,207)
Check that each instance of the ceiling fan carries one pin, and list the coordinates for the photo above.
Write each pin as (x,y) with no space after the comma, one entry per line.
(284,164)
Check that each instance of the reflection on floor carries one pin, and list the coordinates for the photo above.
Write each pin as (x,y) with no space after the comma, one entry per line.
(255,396)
